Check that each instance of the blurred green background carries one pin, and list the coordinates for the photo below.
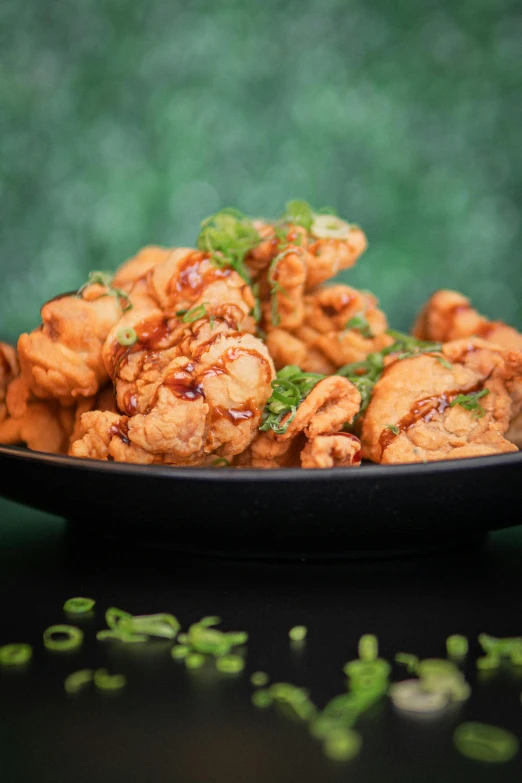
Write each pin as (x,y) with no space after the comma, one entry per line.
(124,123)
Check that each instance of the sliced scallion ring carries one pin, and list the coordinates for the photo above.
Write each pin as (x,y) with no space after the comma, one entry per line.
(79,605)
(104,681)
(127,337)
(76,681)
(330,227)
(62,638)
(15,654)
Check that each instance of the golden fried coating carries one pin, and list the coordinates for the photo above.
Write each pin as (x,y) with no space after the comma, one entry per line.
(9,369)
(207,402)
(137,267)
(427,408)
(335,450)
(448,315)
(281,291)
(62,359)
(332,403)
(328,257)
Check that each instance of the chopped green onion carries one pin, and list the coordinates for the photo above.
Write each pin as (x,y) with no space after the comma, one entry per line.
(128,626)
(230,664)
(489,661)
(483,742)
(127,337)
(410,696)
(470,402)
(360,323)
(15,654)
(78,605)
(189,316)
(194,660)
(368,647)
(290,387)
(299,213)
(54,641)
(180,651)
(220,462)
(75,682)
(393,428)
(203,638)
(298,633)
(293,699)
(104,681)
(121,636)
(342,744)
(105,279)
(330,227)
(259,679)
(457,646)
(262,699)
(228,236)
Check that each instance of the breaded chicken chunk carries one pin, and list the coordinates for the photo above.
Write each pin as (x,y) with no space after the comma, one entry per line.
(458,402)
(9,369)
(335,450)
(448,315)
(62,359)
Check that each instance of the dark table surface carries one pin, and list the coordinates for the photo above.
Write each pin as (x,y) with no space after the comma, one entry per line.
(172,724)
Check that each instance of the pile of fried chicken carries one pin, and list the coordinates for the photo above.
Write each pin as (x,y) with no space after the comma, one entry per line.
(243,352)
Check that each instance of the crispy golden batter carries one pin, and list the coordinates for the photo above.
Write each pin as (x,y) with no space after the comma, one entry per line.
(414,414)
(138,267)
(336,450)
(448,315)
(62,359)
(331,404)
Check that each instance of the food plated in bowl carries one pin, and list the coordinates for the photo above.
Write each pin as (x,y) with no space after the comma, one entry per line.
(244,352)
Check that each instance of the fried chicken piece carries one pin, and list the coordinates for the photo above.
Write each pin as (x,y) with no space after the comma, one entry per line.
(188,280)
(333,402)
(139,266)
(427,408)
(335,450)
(285,348)
(324,256)
(281,291)
(448,315)
(9,369)
(344,324)
(205,395)
(62,359)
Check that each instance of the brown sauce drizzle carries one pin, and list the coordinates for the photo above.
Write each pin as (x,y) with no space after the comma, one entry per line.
(120,430)
(191,280)
(424,409)
(152,332)
(245,411)
(130,403)
(184,385)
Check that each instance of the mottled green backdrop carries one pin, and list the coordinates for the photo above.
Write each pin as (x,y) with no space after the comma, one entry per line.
(125,122)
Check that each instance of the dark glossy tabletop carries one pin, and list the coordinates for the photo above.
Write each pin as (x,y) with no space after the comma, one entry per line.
(172,724)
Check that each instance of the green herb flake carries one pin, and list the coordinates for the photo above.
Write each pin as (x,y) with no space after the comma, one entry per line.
(298,633)
(77,681)
(290,387)
(360,323)
(79,605)
(470,402)
(484,742)
(15,654)
(189,316)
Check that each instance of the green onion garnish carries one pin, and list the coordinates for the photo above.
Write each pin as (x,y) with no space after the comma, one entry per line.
(360,323)
(298,213)
(203,637)
(470,402)
(220,462)
(368,647)
(78,605)
(105,279)
(298,633)
(410,661)
(180,651)
(262,699)
(457,646)
(290,387)
(76,681)
(228,236)
(137,628)
(259,679)
(62,638)
(127,337)
(104,681)
(230,664)
(15,654)
(189,316)
(342,744)
(194,660)
(483,742)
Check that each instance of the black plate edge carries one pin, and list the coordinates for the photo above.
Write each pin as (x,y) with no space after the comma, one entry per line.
(276,475)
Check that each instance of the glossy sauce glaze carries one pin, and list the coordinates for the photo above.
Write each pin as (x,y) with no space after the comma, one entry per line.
(120,430)
(195,273)
(423,410)
(153,334)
